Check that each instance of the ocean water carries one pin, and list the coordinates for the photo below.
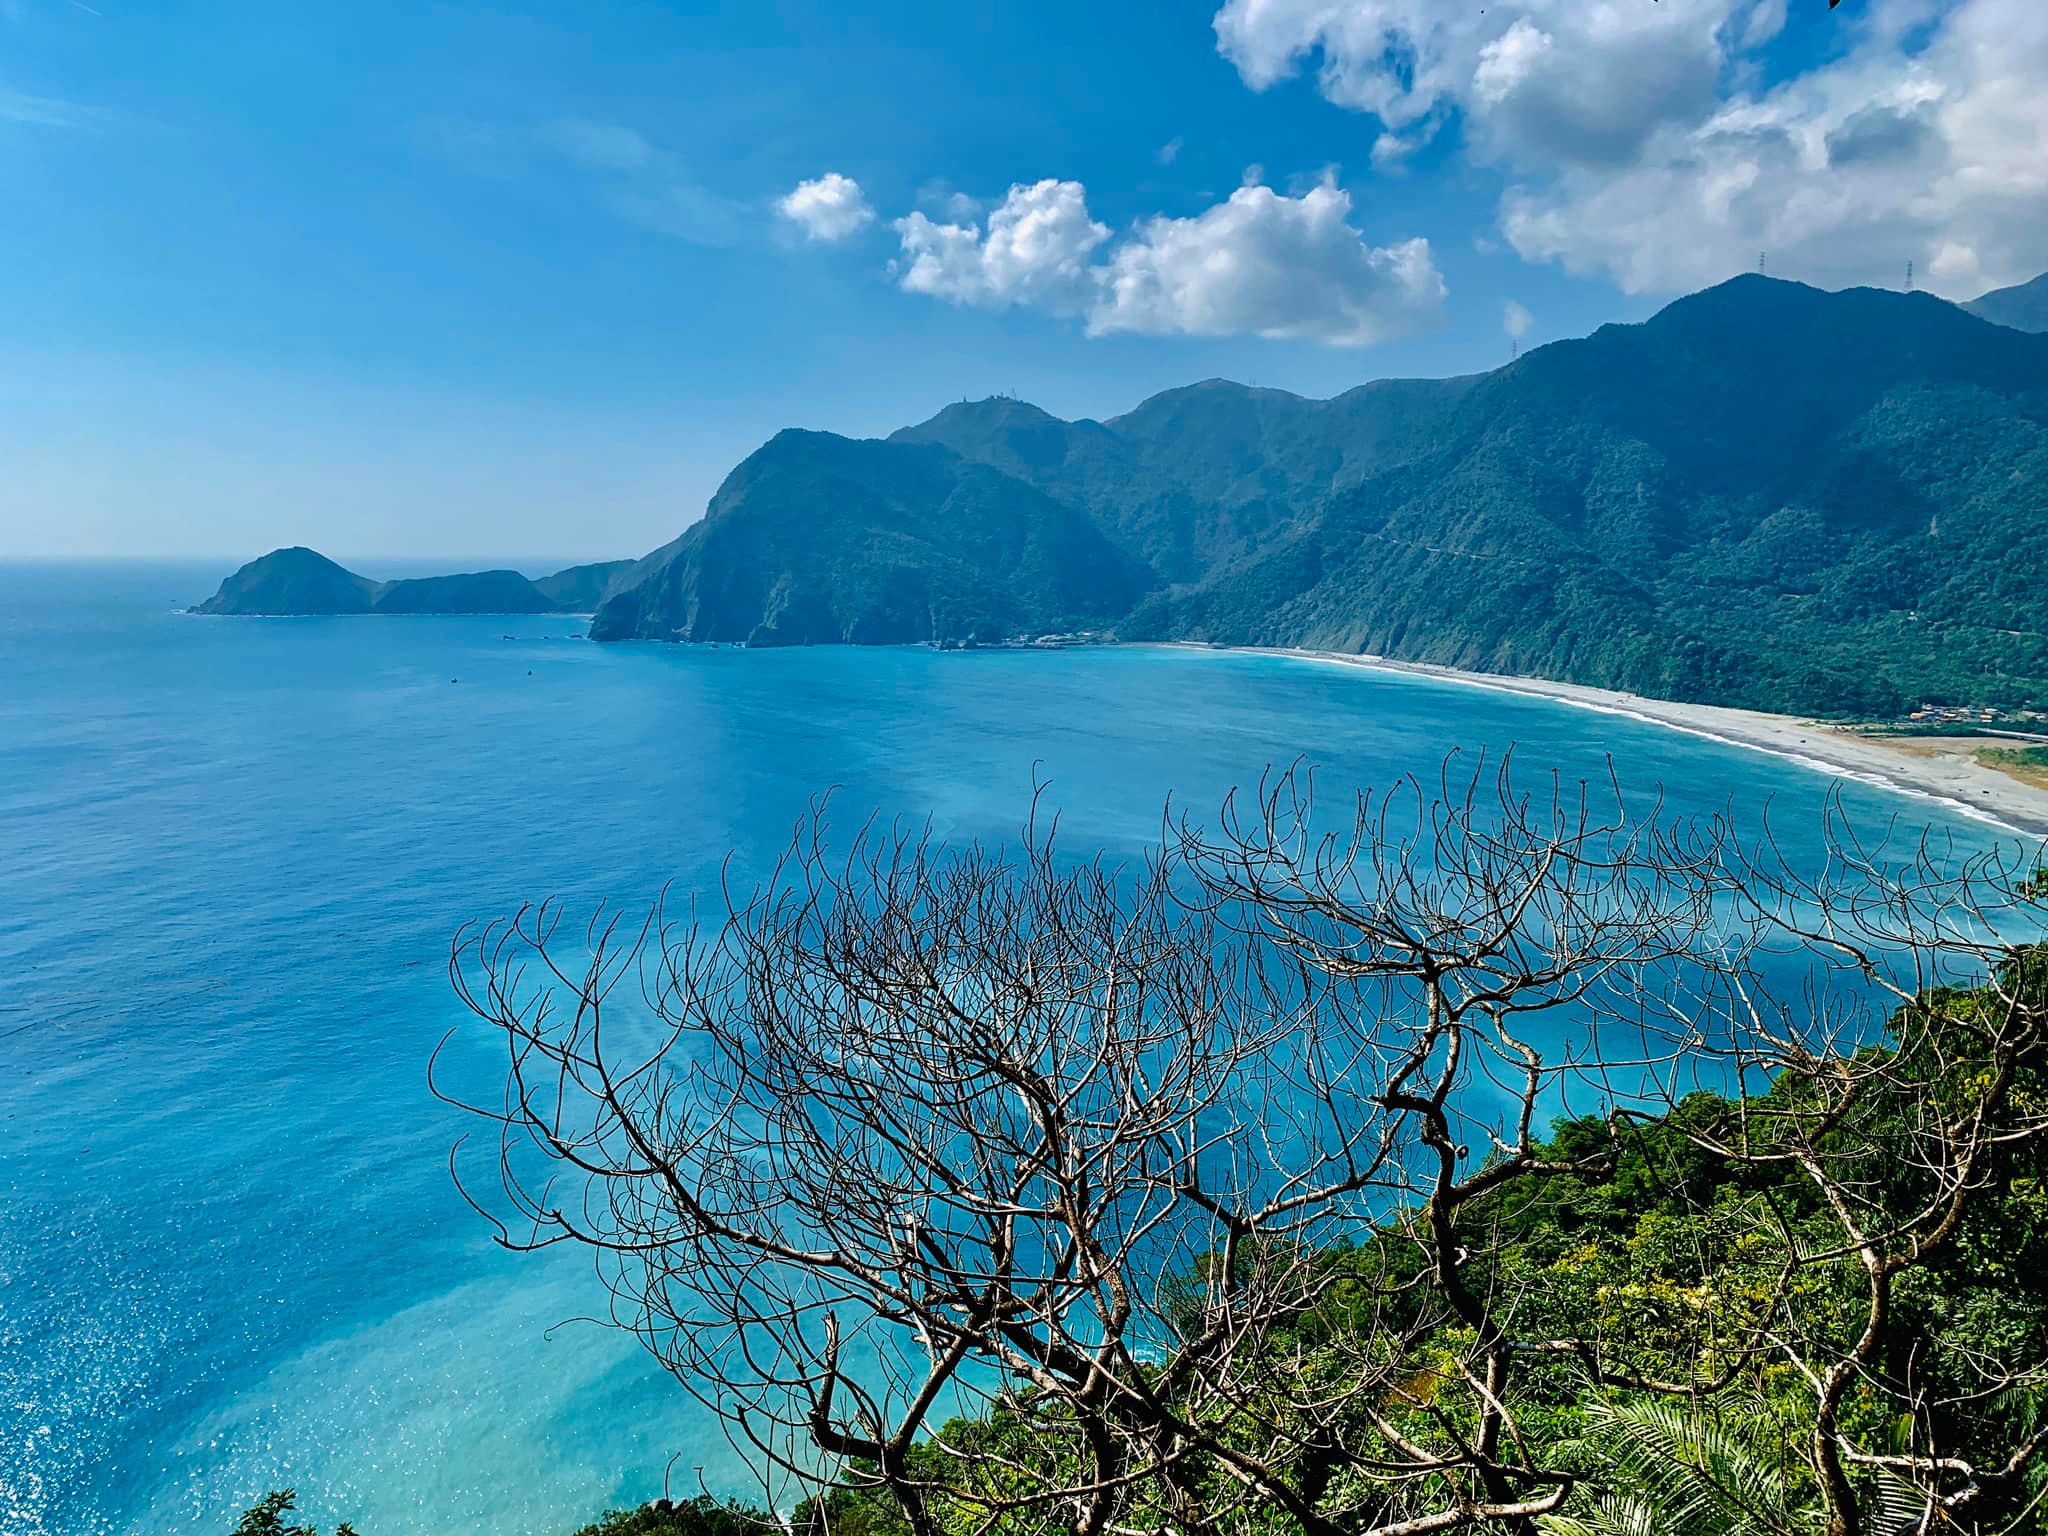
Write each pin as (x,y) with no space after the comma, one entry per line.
(232,854)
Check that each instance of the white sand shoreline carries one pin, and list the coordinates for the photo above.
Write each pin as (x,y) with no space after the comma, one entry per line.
(1959,782)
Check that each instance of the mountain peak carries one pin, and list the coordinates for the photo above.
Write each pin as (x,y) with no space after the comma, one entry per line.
(994,413)
(1882,329)
(292,580)
(2023,307)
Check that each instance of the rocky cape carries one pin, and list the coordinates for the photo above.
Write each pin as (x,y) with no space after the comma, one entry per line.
(299,581)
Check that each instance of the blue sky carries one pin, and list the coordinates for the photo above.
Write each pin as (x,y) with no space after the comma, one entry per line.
(422,280)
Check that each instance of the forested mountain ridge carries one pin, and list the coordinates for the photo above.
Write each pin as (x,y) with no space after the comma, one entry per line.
(1766,495)
(1200,474)
(2024,306)
(819,539)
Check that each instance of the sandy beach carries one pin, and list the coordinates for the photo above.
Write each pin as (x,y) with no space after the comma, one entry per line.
(1944,769)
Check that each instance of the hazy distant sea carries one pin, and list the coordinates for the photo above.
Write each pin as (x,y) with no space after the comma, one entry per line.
(231,856)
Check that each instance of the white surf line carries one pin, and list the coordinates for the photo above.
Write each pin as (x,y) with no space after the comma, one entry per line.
(1868,776)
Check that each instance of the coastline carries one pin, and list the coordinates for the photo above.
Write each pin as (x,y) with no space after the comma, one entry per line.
(1958,781)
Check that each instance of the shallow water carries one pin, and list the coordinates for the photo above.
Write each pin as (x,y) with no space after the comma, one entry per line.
(232,853)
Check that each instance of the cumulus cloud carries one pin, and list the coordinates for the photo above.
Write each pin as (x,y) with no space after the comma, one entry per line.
(1928,146)
(1273,266)
(1390,151)
(829,208)
(1261,263)
(1564,78)
(1516,320)
(947,203)
(1035,250)
(1637,144)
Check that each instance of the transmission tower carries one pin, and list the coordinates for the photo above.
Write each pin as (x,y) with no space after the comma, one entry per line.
(1760,272)
(1909,277)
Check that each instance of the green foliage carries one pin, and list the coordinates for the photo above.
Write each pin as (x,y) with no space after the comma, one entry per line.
(1725,1281)
(266,1518)
(1673,1467)
(701,1516)
(1671,1304)
(2029,763)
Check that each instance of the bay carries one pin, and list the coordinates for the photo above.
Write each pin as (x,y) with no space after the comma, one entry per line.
(232,854)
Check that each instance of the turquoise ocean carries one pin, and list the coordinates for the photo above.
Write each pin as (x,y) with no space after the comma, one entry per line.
(232,855)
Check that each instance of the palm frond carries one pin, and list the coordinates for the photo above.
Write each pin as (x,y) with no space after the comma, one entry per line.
(1669,1468)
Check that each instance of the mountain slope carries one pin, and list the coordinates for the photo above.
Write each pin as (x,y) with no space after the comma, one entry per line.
(2023,307)
(1198,476)
(292,581)
(468,592)
(820,539)
(580,588)
(1766,495)
(299,582)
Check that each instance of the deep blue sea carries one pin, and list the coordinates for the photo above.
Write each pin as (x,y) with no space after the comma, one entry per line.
(232,853)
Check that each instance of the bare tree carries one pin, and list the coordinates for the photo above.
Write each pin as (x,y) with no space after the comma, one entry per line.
(1182,1179)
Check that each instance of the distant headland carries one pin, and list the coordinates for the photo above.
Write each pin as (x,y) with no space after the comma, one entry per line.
(300,582)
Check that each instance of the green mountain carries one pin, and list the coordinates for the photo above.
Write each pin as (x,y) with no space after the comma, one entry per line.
(300,581)
(2023,307)
(822,539)
(468,592)
(292,581)
(1197,476)
(580,588)
(1766,495)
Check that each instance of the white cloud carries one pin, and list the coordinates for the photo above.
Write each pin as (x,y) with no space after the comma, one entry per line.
(468,145)
(599,146)
(947,203)
(1170,151)
(1035,250)
(621,171)
(1274,266)
(40,111)
(1260,263)
(828,209)
(682,211)
(1390,151)
(1638,145)
(1517,320)
(1929,146)
(1572,78)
